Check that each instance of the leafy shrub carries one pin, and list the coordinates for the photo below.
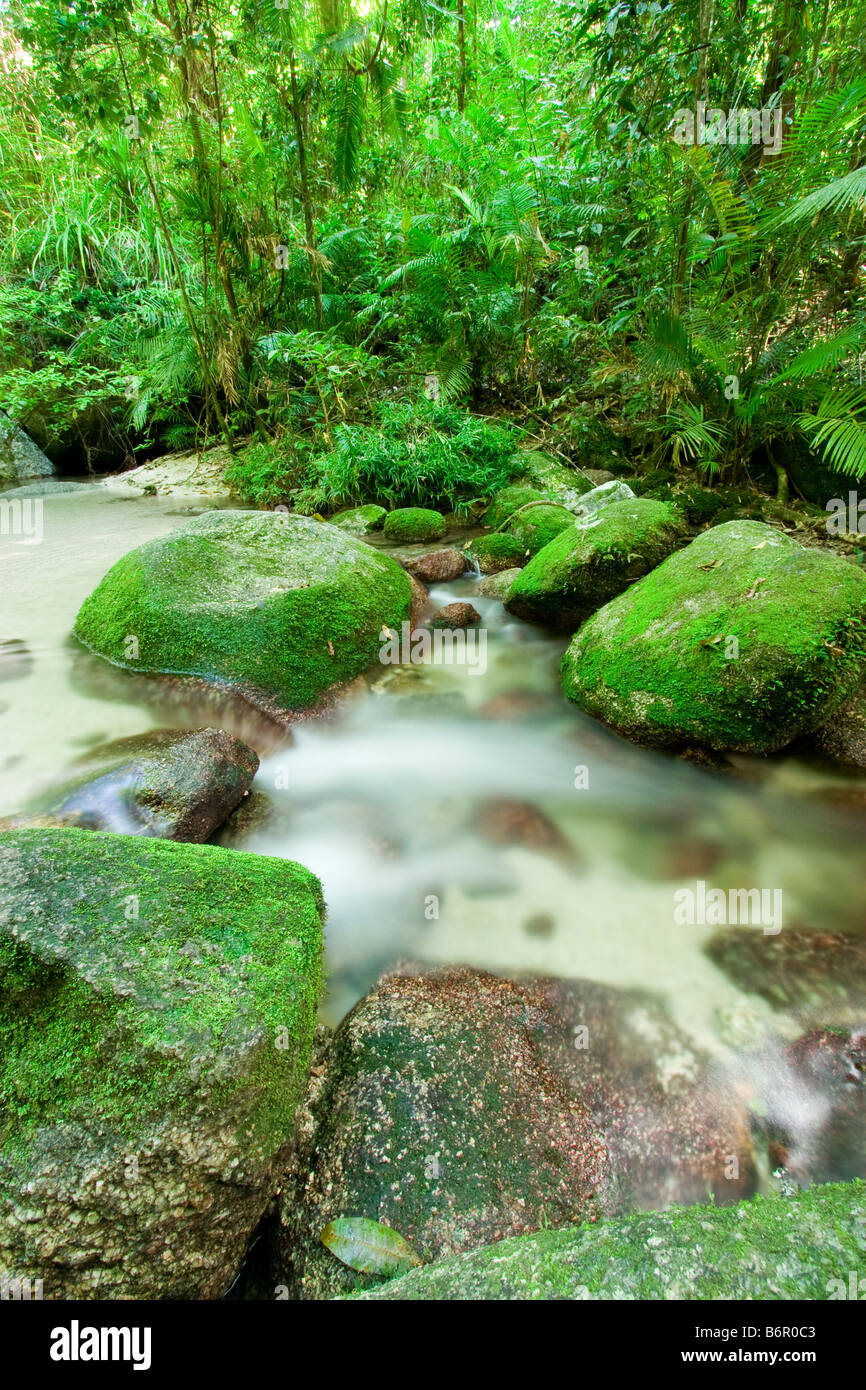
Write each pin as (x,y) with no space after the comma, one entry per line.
(414,452)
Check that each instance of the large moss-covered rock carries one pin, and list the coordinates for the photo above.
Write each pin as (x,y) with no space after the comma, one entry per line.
(278,607)
(407,525)
(542,471)
(458,1107)
(534,526)
(586,566)
(496,552)
(768,1249)
(506,502)
(179,784)
(157,1007)
(742,641)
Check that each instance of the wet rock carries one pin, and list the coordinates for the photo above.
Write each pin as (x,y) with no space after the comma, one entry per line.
(741,642)
(843,740)
(503,821)
(541,924)
(254,813)
(497,585)
(439,567)
(436,1113)
(20,458)
(801,1247)
(586,566)
(458,1107)
(496,552)
(157,1009)
(46,487)
(176,784)
(816,1108)
(456,615)
(819,977)
(278,608)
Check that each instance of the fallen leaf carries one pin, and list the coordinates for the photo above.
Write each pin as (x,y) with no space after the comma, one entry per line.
(368,1246)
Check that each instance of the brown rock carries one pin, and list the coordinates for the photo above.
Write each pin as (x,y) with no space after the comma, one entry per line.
(817,1108)
(461,1108)
(506,822)
(439,567)
(456,615)
(819,977)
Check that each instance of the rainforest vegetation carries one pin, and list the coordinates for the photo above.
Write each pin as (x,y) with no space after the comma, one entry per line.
(432,651)
(272,222)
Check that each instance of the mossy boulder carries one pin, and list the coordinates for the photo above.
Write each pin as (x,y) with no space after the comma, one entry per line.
(408,525)
(587,565)
(742,641)
(158,1007)
(279,608)
(497,585)
(496,552)
(179,784)
(359,521)
(534,526)
(538,470)
(506,503)
(459,1107)
(768,1249)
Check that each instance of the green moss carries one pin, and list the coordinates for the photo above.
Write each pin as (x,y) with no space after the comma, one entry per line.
(496,552)
(359,520)
(742,641)
(584,567)
(534,526)
(506,503)
(767,1249)
(141,976)
(408,524)
(282,607)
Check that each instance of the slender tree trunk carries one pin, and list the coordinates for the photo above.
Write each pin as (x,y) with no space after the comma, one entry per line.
(309,224)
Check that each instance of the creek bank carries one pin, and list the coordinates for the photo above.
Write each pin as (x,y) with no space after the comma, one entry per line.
(158,1008)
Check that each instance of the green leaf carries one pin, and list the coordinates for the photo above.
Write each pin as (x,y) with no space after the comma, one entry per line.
(368,1246)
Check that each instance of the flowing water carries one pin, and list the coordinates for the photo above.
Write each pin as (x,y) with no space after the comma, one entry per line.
(452,815)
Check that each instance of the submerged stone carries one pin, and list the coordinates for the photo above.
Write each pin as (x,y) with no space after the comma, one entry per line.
(741,642)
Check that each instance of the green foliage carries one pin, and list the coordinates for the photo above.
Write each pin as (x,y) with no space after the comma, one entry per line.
(414,453)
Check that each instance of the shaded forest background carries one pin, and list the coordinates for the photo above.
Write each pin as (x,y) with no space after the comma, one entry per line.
(350,241)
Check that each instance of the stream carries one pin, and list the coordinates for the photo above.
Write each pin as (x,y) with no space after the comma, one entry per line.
(451,815)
